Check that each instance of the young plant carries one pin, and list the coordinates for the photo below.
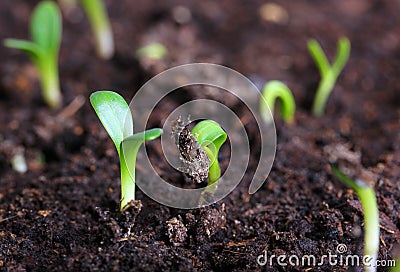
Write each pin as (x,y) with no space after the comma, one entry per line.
(371,215)
(271,91)
(45,28)
(154,51)
(210,136)
(116,117)
(97,15)
(329,73)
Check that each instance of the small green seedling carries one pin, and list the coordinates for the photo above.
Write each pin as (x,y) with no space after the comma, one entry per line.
(98,18)
(371,214)
(154,51)
(210,136)
(45,28)
(271,91)
(116,117)
(329,73)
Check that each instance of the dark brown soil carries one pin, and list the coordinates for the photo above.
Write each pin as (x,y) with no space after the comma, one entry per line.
(62,214)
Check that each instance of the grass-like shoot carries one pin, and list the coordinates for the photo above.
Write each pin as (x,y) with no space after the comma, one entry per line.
(371,215)
(45,30)
(98,18)
(153,51)
(277,90)
(116,117)
(211,137)
(329,73)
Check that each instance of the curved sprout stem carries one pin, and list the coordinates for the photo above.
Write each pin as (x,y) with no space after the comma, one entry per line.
(277,90)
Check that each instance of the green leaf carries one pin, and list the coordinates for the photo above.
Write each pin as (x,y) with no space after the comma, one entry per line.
(46,26)
(30,48)
(147,135)
(210,136)
(342,55)
(319,57)
(114,114)
(207,132)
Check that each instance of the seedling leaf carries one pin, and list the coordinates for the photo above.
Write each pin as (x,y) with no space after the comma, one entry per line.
(46,26)
(319,57)
(30,48)
(114,114)
(342,54)
(210,135)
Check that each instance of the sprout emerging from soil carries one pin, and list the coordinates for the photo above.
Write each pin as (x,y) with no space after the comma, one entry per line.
(116,117)
(199,149)
(271,91)
(329,73)
(154,51)
(98,18)
(371,215)
(45,29)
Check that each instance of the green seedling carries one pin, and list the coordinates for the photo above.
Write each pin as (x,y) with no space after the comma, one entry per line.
(45,29)
(154,51)
(271,91)
(371,214)
(210,136)
(98,18)
(329,73)
(116,117)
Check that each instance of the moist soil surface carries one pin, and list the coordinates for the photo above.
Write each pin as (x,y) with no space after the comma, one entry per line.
(62,214)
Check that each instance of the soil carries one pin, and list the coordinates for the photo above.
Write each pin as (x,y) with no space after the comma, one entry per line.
(62,214)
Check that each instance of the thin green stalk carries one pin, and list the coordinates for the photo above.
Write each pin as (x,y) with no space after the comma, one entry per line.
(214,172)
(128,190)
(371,215)
(50,83)
(129,149)
(97,15)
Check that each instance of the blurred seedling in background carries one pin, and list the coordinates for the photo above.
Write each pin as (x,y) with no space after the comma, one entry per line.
(152,51)
(371,215)
(45,30)
(116,117)
(98,18)
(277,90)
(329,73)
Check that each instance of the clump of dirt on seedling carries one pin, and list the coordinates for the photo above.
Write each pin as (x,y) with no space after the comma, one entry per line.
(195,162)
